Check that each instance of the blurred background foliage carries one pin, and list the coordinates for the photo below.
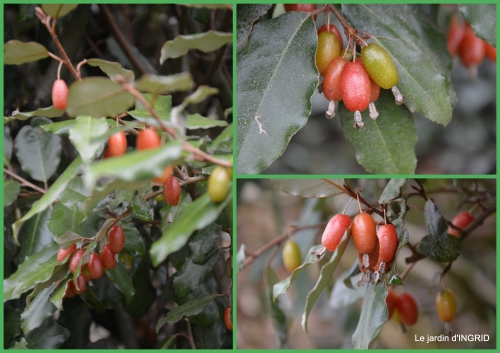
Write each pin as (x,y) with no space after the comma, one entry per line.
(265,212)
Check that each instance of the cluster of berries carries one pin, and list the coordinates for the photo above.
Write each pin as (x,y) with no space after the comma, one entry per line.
(93,269)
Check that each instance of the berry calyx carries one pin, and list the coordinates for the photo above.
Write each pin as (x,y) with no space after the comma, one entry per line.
(364,233)
(75,260)
(291,255)
(227,318)
(63,254)
(95,266)
(116,239)
(471,49)
(218,184)
(82,285)
(454,35)
(334,231)
(461,220)
(328,49)
(334,29)
(167,173)
(117,144)
(407,309)
(391,301)
(355,87)
(331,80)
(300,7)
(172,191)
(446,305)
(147,139)
(379,66)
(60,94)
(108,257)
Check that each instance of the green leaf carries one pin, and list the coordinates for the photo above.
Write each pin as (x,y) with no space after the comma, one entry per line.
(198,96)
(225,135)
(79,329)
(58,294)
(122,281)
(168,342)
(58,10)
(134,244)
(50,112)
(311,187)
(17,53)
(373,316)
(48,336)
(39,154)
(482,17)
(278,318)
(35,269)
(438,245)
(145,293)
(424,75)
(39,310)
(98,97)
(385,145)
(64,219)
(59,274)
(34,235)
(112,69)
(392,190)
(277,76)
(193,216)
(84,132)
(103,294)
(60,128)
(196,121)
(10,191)
(75,194)
(141,208)
(208,41)
(281,287)
(12,323)
(162,84)
(324,278)
(68,239)
(135,166)
(211,313)
(246,17)
(191,308)
(21,344)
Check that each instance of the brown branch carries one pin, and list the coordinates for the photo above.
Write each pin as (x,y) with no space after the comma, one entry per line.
(24,181)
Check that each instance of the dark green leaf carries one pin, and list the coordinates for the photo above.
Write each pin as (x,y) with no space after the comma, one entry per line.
(98,97)
(64,219)
(105,292)
(48,336)
(278,318)
(225,135)
(50,112)
(167,343)
(210,337)
(192,307)
(191,275)
(39,154)
(12,324)
(35,269)
(424,76)
(39,310)
(392,190)
(141,208)
(10,191)
(373,316)
(120,277)
(277,76)
(311,187)
(77,320)
(246,17)
(482,17)
(134,244)
(17,53)
(385,145)
(34,236)
(145,293)
(194,216)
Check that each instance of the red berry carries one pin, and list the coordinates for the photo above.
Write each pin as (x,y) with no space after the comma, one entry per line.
(70,290)
(355,87)
(227,318)
(490,51)
(364,233)
(454,36)
(75,260)
(85,272)
(147,138)
(471,49)
(408,309)
(116,239)
(391,301)
(334,231)
(300,7)
(117,144)
(162,179)
(172,191)
(334,29)
(82,285)
(446,305)
(461,220)
(63,254)
(388,242)
(331,80)
(372,257)
(60,94)
(106,154)
(108,257)
(95,266)
(374,91)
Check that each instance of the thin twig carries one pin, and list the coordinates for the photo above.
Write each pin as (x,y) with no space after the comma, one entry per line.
(24,181)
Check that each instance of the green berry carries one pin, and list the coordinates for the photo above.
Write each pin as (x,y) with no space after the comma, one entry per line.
(379,66)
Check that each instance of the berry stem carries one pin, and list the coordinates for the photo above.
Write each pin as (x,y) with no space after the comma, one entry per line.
(373,111)
(397,96)
(345,208)
(330,113)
